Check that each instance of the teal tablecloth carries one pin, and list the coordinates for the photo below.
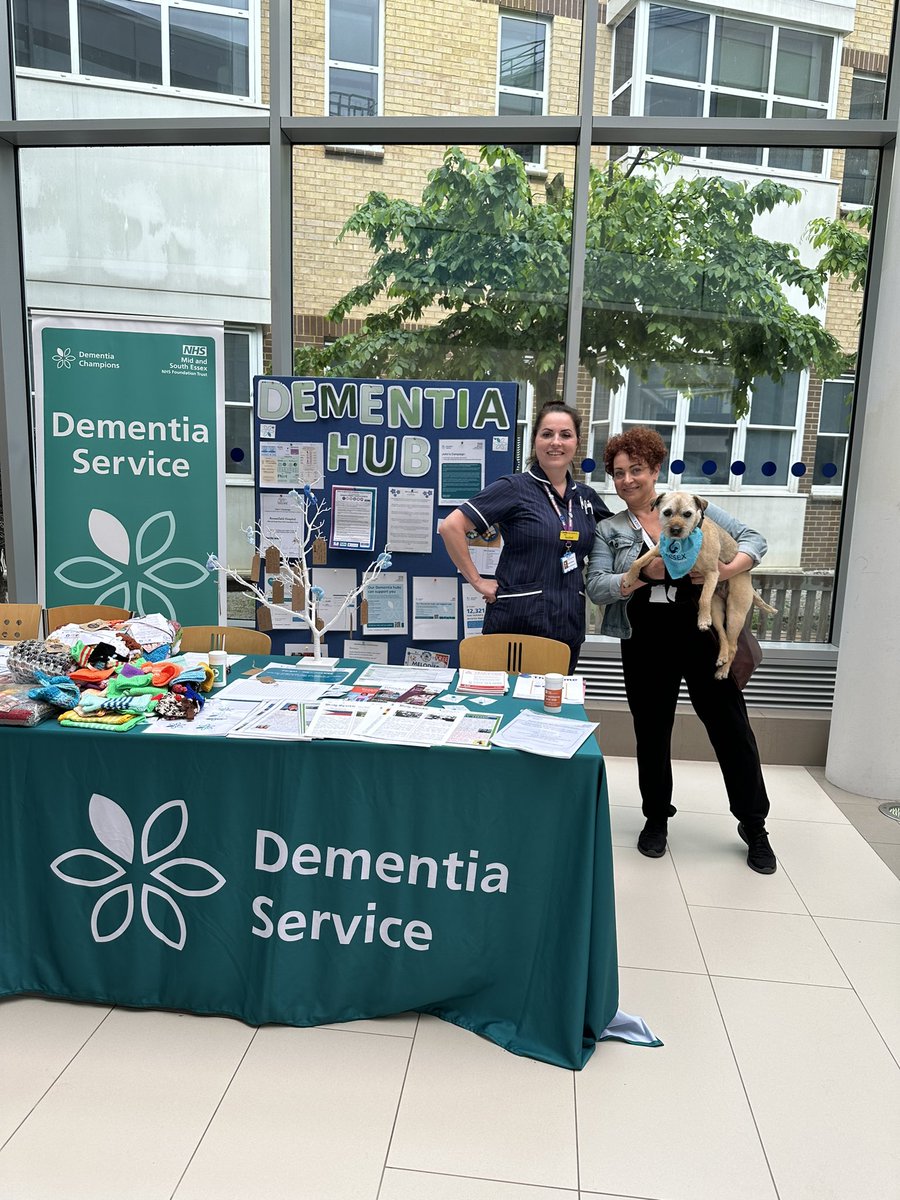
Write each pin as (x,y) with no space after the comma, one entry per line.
(208,875)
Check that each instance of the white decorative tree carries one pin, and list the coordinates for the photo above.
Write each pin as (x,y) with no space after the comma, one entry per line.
(293,574)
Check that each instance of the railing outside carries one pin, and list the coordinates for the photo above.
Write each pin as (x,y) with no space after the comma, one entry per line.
(803,600)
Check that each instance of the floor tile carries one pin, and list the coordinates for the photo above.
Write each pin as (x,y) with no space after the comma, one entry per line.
(864,816)
(38,1040)
(470,1108)
(793,793)
(869,953)
(123,1119)
(835,872)
(625,824)
(654,927)
(308,1114)
(711,863)
(671,1122)
(823,1087)
(419,1185)
(397,1025)
(889,853)
(785,947)
(622,782)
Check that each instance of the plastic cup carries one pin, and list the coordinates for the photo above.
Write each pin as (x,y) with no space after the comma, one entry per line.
(553,692)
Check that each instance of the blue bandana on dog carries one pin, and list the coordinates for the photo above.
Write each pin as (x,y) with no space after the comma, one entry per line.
(680,554)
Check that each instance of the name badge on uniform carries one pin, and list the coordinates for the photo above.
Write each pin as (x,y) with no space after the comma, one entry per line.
(569,562)
(568,535)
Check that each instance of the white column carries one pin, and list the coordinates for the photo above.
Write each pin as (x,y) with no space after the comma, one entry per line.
(864,744)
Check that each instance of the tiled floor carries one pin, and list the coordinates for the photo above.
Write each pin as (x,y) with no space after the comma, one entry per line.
(778,999)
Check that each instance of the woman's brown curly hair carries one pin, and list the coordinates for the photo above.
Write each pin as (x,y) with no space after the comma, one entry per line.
(638,443)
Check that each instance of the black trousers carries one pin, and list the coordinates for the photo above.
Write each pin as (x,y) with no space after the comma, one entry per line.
(665,647)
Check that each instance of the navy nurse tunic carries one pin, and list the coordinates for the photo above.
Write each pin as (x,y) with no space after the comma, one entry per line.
(534,594)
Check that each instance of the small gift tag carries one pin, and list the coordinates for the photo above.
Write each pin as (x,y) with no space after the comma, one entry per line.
(263,619)
(277,591)
(320,552)
(273,560)
(320,624)
(364,611)
(298,598)
(254,567)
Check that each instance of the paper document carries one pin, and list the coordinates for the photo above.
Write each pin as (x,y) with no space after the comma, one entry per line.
(382,674)
(341,719)
(385,601)
(367,651)
(474,731)
(277,683)
(434,608)
(404,725)
(540,733)
(276,719)
(410,518)
(531,687)
(492,682)
(353,517)
(215,719)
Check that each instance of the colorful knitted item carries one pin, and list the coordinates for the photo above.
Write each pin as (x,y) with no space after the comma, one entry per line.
(58,690)
(26,658)
(163,673)
(175,707)
(111,723)
(93,702)
(85,675)
(131,685)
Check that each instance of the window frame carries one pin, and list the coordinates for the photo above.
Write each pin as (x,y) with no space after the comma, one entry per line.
(855,205)
(255,364)
(342,65)
(831,489)
(250,14)
(544,93)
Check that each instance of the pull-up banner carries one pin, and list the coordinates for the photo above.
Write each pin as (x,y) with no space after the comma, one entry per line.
(129,458)
(390,458)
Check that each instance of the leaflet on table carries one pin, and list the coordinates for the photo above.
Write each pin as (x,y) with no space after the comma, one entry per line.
(404,725)
(341,719)
(276,719)
(215,719)
(285,464)
(473,610)
(434,608)
(315,671)
(281,523)
(460,469)
(375,652)
(382,674)
(414,657)
(494,682)
(474,731)
(385,601)
(419,694)
(265,686)
(538,733)
(352,517)
(337,583)
(410,519)
(531,687)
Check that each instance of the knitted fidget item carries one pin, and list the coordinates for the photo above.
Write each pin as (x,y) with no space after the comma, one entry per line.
(26,658)
(58,690)
(111,723)
(680,554)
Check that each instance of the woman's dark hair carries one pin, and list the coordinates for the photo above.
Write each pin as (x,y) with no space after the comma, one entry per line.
(547,410)
(639,443)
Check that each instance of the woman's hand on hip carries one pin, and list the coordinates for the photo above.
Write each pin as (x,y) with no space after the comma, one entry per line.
(487,588)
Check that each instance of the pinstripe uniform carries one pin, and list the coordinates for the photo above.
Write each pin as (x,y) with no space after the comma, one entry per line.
(534,594)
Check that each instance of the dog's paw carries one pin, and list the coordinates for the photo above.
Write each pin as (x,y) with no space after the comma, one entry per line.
(704,622)
(722,672)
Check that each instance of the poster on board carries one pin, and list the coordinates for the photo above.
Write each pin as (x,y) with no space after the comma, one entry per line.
(129,446)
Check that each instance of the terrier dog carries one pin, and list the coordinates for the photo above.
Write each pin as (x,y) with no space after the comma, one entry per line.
(725,604)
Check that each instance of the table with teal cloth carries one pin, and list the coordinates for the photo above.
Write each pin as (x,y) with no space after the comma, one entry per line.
(308,883)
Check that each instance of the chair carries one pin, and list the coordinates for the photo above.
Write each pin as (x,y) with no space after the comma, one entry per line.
(515,653)
(19,622)
(80,614)
(197,638)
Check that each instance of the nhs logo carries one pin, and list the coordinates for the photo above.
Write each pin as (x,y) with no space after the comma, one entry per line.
(194,351)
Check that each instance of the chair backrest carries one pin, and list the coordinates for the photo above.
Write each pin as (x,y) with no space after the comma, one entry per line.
(80,614)
(515,653)
(238,640)
(20,622)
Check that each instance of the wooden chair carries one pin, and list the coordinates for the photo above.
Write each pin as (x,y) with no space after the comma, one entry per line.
(515,653)
(19,622)
(80,614)
(197,638)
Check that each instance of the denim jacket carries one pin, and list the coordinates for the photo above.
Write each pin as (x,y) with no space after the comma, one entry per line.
(617,544)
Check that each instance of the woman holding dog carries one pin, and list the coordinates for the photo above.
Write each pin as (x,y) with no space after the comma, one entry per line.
(656,619)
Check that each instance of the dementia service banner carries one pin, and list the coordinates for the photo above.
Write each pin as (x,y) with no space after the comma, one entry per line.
(129,456)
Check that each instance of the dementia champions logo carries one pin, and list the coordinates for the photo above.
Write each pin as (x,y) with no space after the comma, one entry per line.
(63,358)
(163,832)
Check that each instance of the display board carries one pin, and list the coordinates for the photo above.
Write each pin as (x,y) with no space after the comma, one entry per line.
(391,458)
(129,459)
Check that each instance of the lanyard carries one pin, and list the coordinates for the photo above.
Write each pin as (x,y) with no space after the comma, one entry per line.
(566,522)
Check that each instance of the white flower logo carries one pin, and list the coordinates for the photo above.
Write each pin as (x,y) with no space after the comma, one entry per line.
(114,910)
(153,539)
(63,358)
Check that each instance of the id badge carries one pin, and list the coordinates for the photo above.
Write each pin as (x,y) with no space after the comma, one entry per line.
(569,562)
(568,535)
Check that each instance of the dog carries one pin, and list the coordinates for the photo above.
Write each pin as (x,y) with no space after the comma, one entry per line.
(723,604)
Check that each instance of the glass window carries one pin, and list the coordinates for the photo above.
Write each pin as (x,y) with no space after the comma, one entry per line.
(834,432)
(157,44)
(798,158)
(623,52)
(209,52)
(677,43)
(861,166)
(238,405)
(741,55)
(522,74)
(41,34)
(355,62)
(803,65)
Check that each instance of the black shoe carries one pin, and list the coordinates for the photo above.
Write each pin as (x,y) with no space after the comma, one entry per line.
(759,853)
(652,840)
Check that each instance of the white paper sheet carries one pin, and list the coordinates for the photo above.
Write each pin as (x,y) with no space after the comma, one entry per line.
(215,719)
(287,464)
(410,519)
(373,652)
(337,583)
(473,604)
(414,657)
(539,733)
(386,604)
(435,609)
(531,687)
(485,559)
(405,676)
(282,523)
(268,686)
(460,469)
(404,725)
(275,720)
(353,511)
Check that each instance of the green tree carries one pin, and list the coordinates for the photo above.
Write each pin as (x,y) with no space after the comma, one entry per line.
(845,242)
(674,274)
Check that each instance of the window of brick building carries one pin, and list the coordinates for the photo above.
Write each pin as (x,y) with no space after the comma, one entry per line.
(355,58)
(522,74)
(834,433)
(861,166)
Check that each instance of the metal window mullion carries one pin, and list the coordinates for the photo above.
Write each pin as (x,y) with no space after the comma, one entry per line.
(165,43)
(280,190)
(580,195)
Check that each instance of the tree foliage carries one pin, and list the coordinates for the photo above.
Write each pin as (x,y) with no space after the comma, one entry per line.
(674,275)
(845,242)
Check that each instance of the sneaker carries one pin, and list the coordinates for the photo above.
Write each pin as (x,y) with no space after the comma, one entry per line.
(759,853)
(652,840)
